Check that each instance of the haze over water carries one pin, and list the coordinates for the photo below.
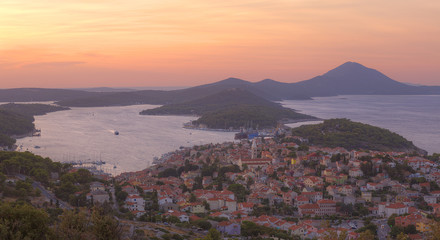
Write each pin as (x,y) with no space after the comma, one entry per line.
(417,118)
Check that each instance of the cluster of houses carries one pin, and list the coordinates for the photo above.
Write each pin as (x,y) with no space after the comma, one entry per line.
(314,183)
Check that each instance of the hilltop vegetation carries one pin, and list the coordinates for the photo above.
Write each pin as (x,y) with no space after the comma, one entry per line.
(232,108)
(354,135)
(17,119)
(215,102)
(31,110)
(13,124)
(249,115)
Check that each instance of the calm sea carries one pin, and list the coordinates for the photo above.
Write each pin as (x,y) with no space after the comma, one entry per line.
(81,134)
(417,118)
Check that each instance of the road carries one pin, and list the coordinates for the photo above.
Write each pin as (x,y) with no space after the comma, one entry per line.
(115,203)
(47,194)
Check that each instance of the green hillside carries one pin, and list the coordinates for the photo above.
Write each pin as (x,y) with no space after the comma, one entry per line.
(31,110)
(249,116)
(17,119)
(13,124)
(354,135)
(231,108)
(215,102)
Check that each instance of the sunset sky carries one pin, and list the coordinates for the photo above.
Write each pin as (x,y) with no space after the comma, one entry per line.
(126,43)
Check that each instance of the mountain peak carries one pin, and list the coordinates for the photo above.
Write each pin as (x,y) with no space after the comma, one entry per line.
(267,80)
(351,68)
(351,65)
(232,80)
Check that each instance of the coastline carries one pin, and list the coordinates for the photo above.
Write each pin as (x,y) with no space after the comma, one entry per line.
(189,125)
(300,120)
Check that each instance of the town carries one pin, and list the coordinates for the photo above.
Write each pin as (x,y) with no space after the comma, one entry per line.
(267,187)
(283,188)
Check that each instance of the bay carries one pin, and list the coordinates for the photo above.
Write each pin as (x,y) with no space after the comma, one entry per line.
(417,118)
(87,134)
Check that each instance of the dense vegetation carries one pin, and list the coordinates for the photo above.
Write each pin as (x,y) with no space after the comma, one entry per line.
(28,164)
(354,135)
(31,110)
(17,119)
(222,100)
(249,116)
(13,124)
(23,221)
(231,108)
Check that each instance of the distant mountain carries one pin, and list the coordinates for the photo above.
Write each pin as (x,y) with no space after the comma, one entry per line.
(355,79)
(274,93)
(105,89)
(348,79)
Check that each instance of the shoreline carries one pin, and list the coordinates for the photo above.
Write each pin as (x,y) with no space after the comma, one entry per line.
(189,125)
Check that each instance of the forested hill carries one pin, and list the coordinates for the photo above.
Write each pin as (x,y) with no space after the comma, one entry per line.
(232,108)
(354,135)
(31,109)
(252,116)
(13,124)
(17,119)
(222,100)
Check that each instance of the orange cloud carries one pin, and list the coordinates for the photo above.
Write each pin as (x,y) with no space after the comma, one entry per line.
(174,42)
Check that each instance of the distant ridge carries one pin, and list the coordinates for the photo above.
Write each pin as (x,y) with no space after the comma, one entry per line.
(41,94)
(350,78)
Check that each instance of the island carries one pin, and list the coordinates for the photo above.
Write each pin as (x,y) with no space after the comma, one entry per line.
(232,109)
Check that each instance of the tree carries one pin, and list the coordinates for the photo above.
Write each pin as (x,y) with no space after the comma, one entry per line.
(391,220)
(23,222)
(74,226)
(250,182)
(239,191)
(367,235)
(410,229)
(333,235)
(173,219)
(169,172)
(192,198)
(105,227)
(213,234)
(395,230)
(250,229)
(203,224)
(402,236)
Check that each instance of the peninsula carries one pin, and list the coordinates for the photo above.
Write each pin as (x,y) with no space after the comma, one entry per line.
(232,109)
